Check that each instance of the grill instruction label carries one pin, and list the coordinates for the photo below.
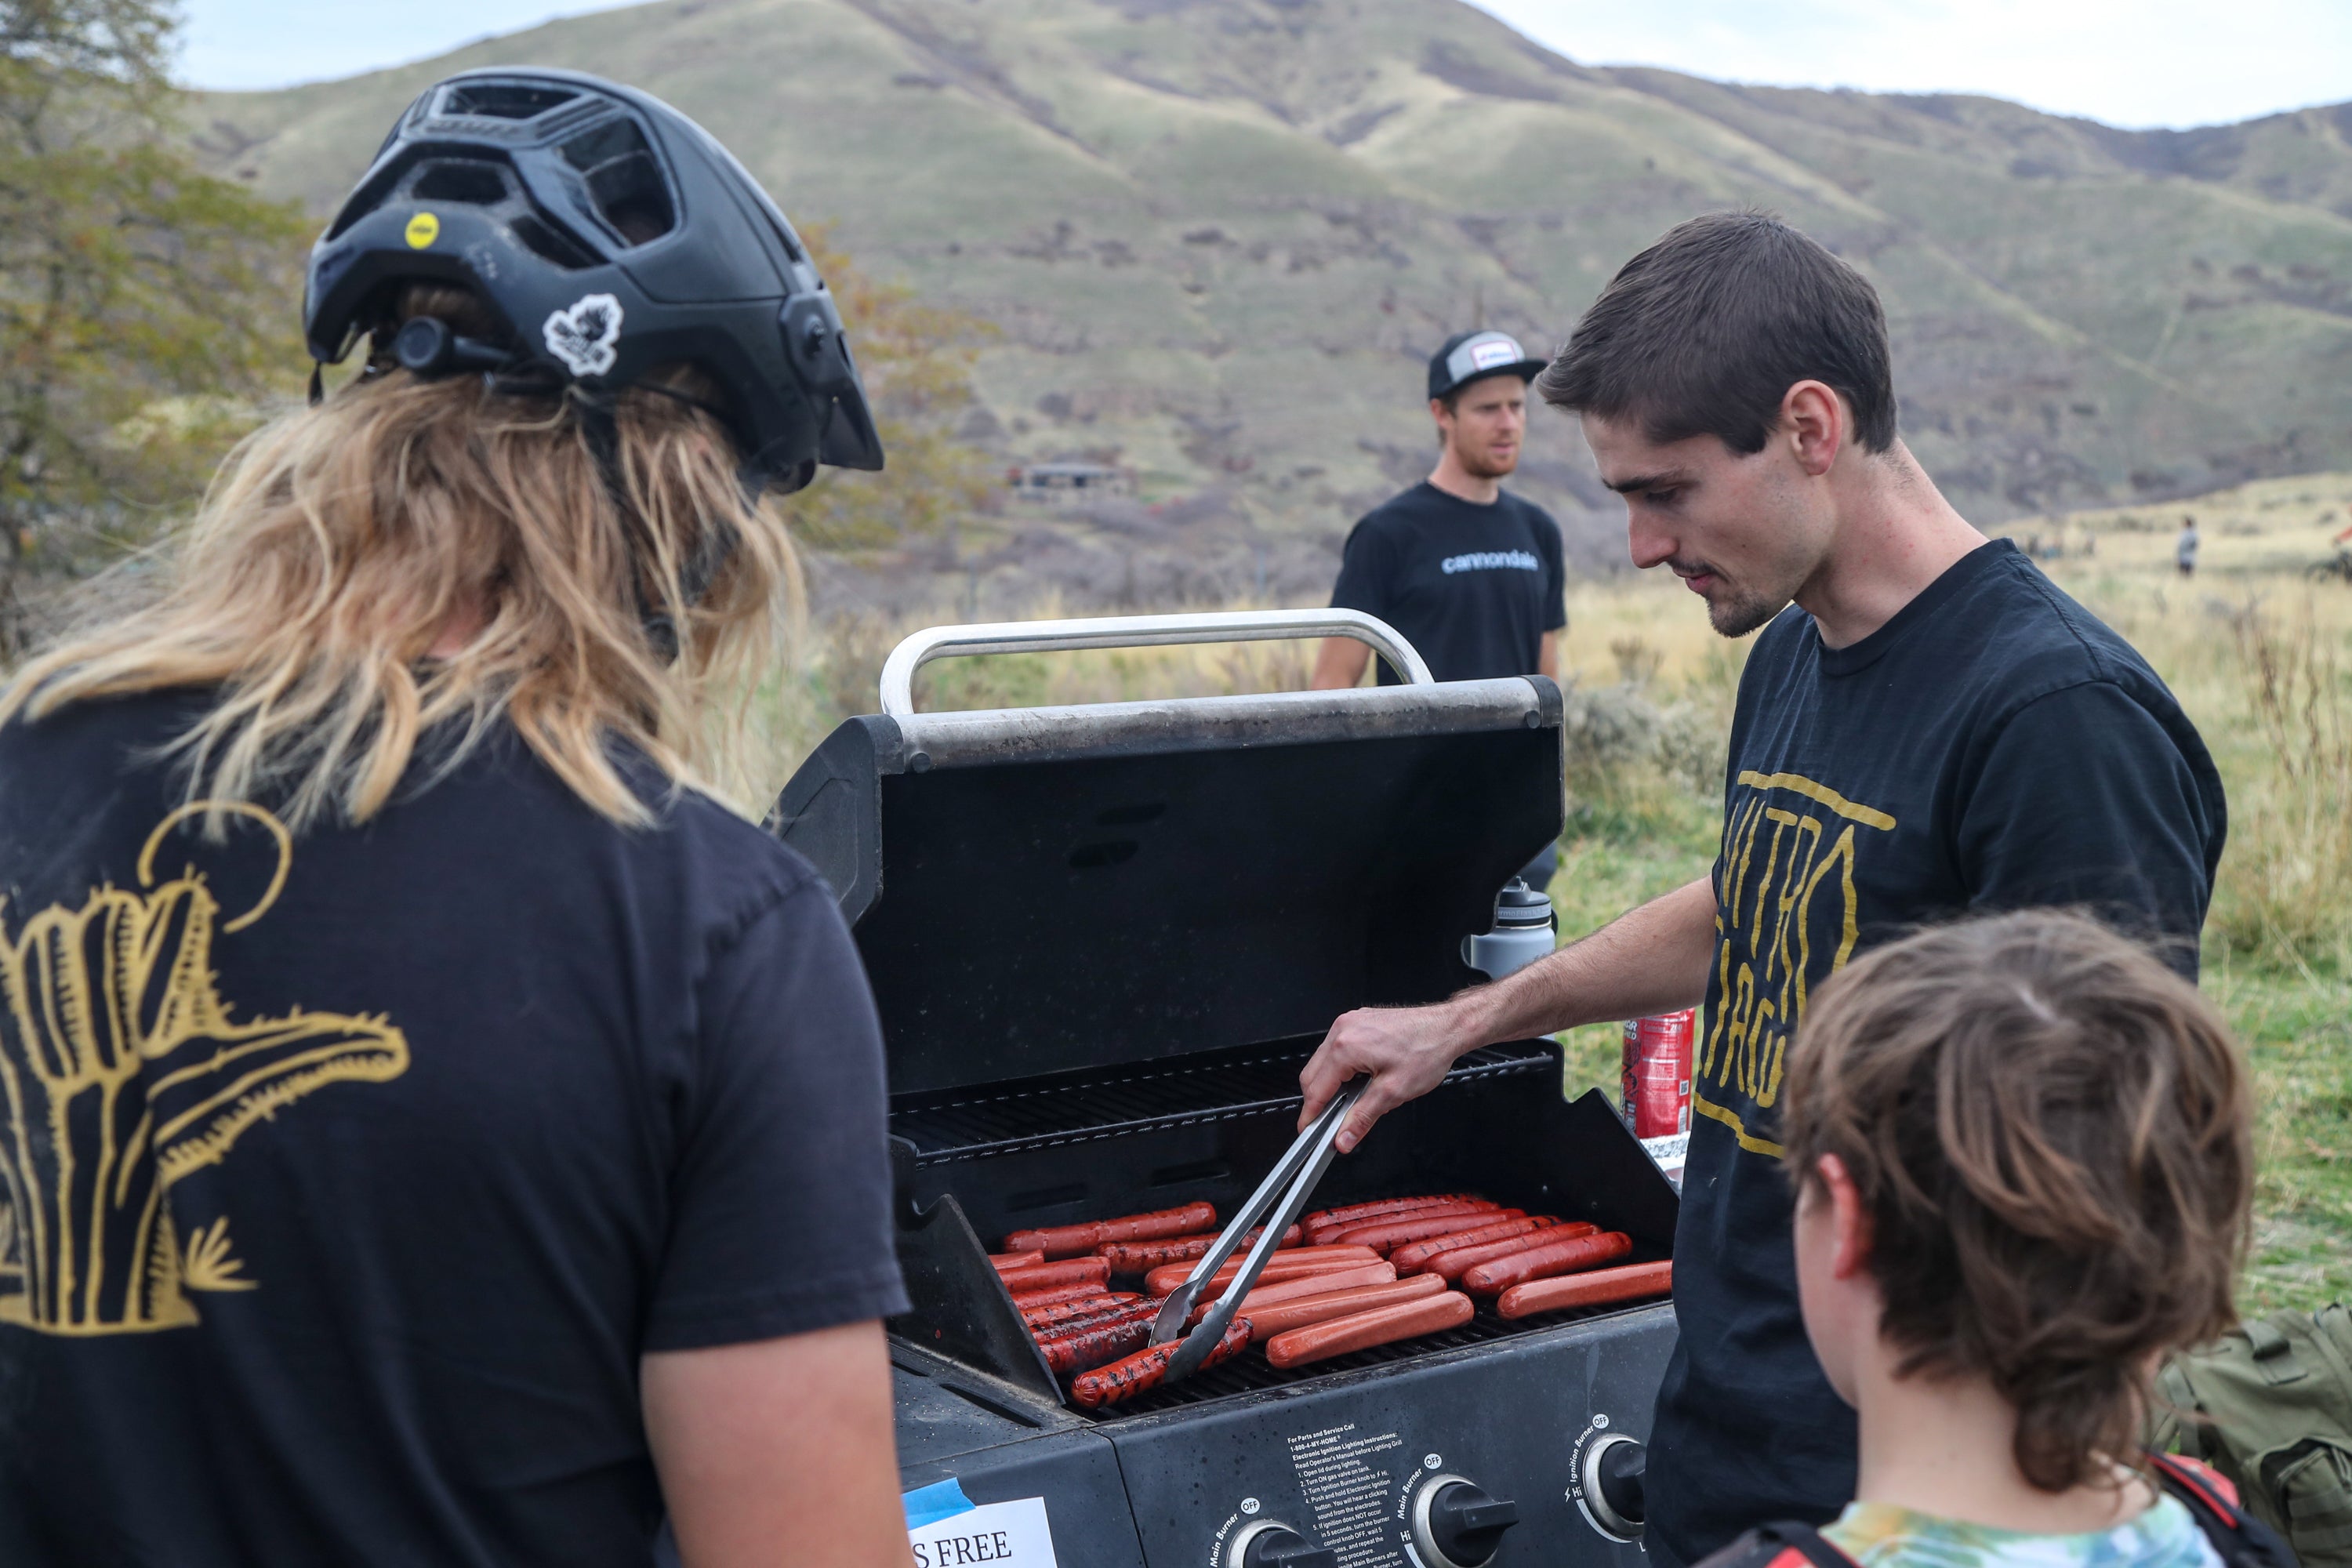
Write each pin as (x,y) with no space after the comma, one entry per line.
(1347,1479)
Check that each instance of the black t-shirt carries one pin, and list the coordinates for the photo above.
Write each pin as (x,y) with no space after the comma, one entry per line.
(1474,588)
(349,1175)
(1992,746)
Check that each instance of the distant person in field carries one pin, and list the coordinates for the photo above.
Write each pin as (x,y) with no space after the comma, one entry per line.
(2184,548)
(2022,1156)
(1469,573)
(1927,726)
(441,1131)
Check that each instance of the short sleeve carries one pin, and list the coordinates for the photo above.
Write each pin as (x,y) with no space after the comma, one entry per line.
(780,1212)
(1548,546)
(1367,574)
(2086,800)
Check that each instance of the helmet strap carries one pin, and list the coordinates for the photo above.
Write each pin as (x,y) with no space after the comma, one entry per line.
(602,432)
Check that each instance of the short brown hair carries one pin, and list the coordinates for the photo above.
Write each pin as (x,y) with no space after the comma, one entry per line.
(2049,1131)
(1704,333)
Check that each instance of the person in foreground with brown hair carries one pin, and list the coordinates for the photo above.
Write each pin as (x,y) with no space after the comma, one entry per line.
(436,1130)
(2022,1162)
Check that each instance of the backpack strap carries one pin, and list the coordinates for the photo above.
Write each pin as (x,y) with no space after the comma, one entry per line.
(2240,1539)
(1787,1544)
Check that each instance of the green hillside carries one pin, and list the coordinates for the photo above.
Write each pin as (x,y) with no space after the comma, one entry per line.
(1220,236)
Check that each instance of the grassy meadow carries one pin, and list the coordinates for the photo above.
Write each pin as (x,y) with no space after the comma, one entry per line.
(2258,652)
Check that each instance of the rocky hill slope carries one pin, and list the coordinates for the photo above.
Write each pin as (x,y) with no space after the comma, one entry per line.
(1220,235)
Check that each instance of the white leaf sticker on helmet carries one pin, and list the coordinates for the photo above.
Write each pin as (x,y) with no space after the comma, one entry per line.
(586,337)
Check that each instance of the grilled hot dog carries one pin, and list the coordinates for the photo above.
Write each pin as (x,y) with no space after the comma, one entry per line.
(1281,1266)
(1042,1321)
(1383,1235)
(1563,1257)
(1630,1283)
(1005,1260)
(1280,1317)
(1451,1264)
(1146,1369)
(1139,1257)
(1337,1230)
(1071,1240)
(1380,1326)
(1046,1276)
(1410,1256)
(1052,1295)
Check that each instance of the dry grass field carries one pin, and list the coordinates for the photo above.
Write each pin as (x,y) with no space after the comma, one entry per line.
(2259,653)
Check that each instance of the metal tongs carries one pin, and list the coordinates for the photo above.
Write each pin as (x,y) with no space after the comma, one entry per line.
(1279,1198)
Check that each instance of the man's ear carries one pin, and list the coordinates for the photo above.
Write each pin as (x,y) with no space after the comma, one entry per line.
(1815,422)
(1850,1224)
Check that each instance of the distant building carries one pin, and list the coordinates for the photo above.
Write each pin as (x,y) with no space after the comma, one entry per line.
(1068,484)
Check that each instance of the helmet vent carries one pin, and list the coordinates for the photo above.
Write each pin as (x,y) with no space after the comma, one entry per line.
(504,99)
(461,180)
(551,243)
(624,183)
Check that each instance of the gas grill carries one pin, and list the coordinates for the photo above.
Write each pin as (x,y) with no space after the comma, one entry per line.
(1103,941)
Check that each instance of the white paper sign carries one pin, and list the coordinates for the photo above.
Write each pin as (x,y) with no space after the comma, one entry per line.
(1012,1533)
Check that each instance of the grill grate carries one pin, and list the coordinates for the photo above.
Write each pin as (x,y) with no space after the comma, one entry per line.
(945,1128)
(1250,1372)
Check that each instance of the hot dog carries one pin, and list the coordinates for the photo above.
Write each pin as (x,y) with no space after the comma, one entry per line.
(1046,1276)
(1052,1295)
(1304,1286)
(1410,1256)
(1061,1314)
(1005,1260)
(1281,1266)
(1630,1283)
(1139,1257)
(1382,1236)
(1266,1321)
(1563,1257)
(1378,1206)
(1337,1230)
(1071,1240)
(1146,1369)
(1380,1326)
(1451,1264)
(1097,1344)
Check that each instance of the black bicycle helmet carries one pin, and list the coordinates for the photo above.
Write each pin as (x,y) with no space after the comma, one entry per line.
(613,234)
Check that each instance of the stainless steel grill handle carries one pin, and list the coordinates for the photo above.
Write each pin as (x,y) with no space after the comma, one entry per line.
(1139,631)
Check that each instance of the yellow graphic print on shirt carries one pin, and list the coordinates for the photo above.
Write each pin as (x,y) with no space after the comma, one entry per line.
(1784,921)
(122,1071)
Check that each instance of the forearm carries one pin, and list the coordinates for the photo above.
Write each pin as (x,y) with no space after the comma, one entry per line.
(1339,663)
(1653,958)
(753,1441)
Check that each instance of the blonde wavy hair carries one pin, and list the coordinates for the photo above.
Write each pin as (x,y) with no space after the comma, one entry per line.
(342,547)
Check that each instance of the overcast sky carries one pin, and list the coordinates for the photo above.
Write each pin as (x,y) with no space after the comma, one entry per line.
(2128,62)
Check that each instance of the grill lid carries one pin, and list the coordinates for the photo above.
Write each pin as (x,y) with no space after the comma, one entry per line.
(1041,890)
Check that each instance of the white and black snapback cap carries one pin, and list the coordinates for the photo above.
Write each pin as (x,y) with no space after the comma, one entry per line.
(1472,356)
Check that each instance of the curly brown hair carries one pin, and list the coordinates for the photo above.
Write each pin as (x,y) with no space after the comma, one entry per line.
(2049,1131)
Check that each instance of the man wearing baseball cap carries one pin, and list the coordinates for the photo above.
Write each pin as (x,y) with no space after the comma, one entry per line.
(1470,576)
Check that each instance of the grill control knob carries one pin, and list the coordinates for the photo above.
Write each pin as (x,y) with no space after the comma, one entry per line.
(1268,1543)
(1456,1525)
(1613,1486)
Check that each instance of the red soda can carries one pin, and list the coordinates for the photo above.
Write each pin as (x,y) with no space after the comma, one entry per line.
(1657,1074)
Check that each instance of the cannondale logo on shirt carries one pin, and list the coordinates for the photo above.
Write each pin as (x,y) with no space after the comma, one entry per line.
(1491,561)
(127,1073)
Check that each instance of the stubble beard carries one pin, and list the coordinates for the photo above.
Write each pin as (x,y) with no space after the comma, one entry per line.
(1479,466)
(1741,614)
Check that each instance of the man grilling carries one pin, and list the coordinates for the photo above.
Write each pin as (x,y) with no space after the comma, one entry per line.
(1933,727)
